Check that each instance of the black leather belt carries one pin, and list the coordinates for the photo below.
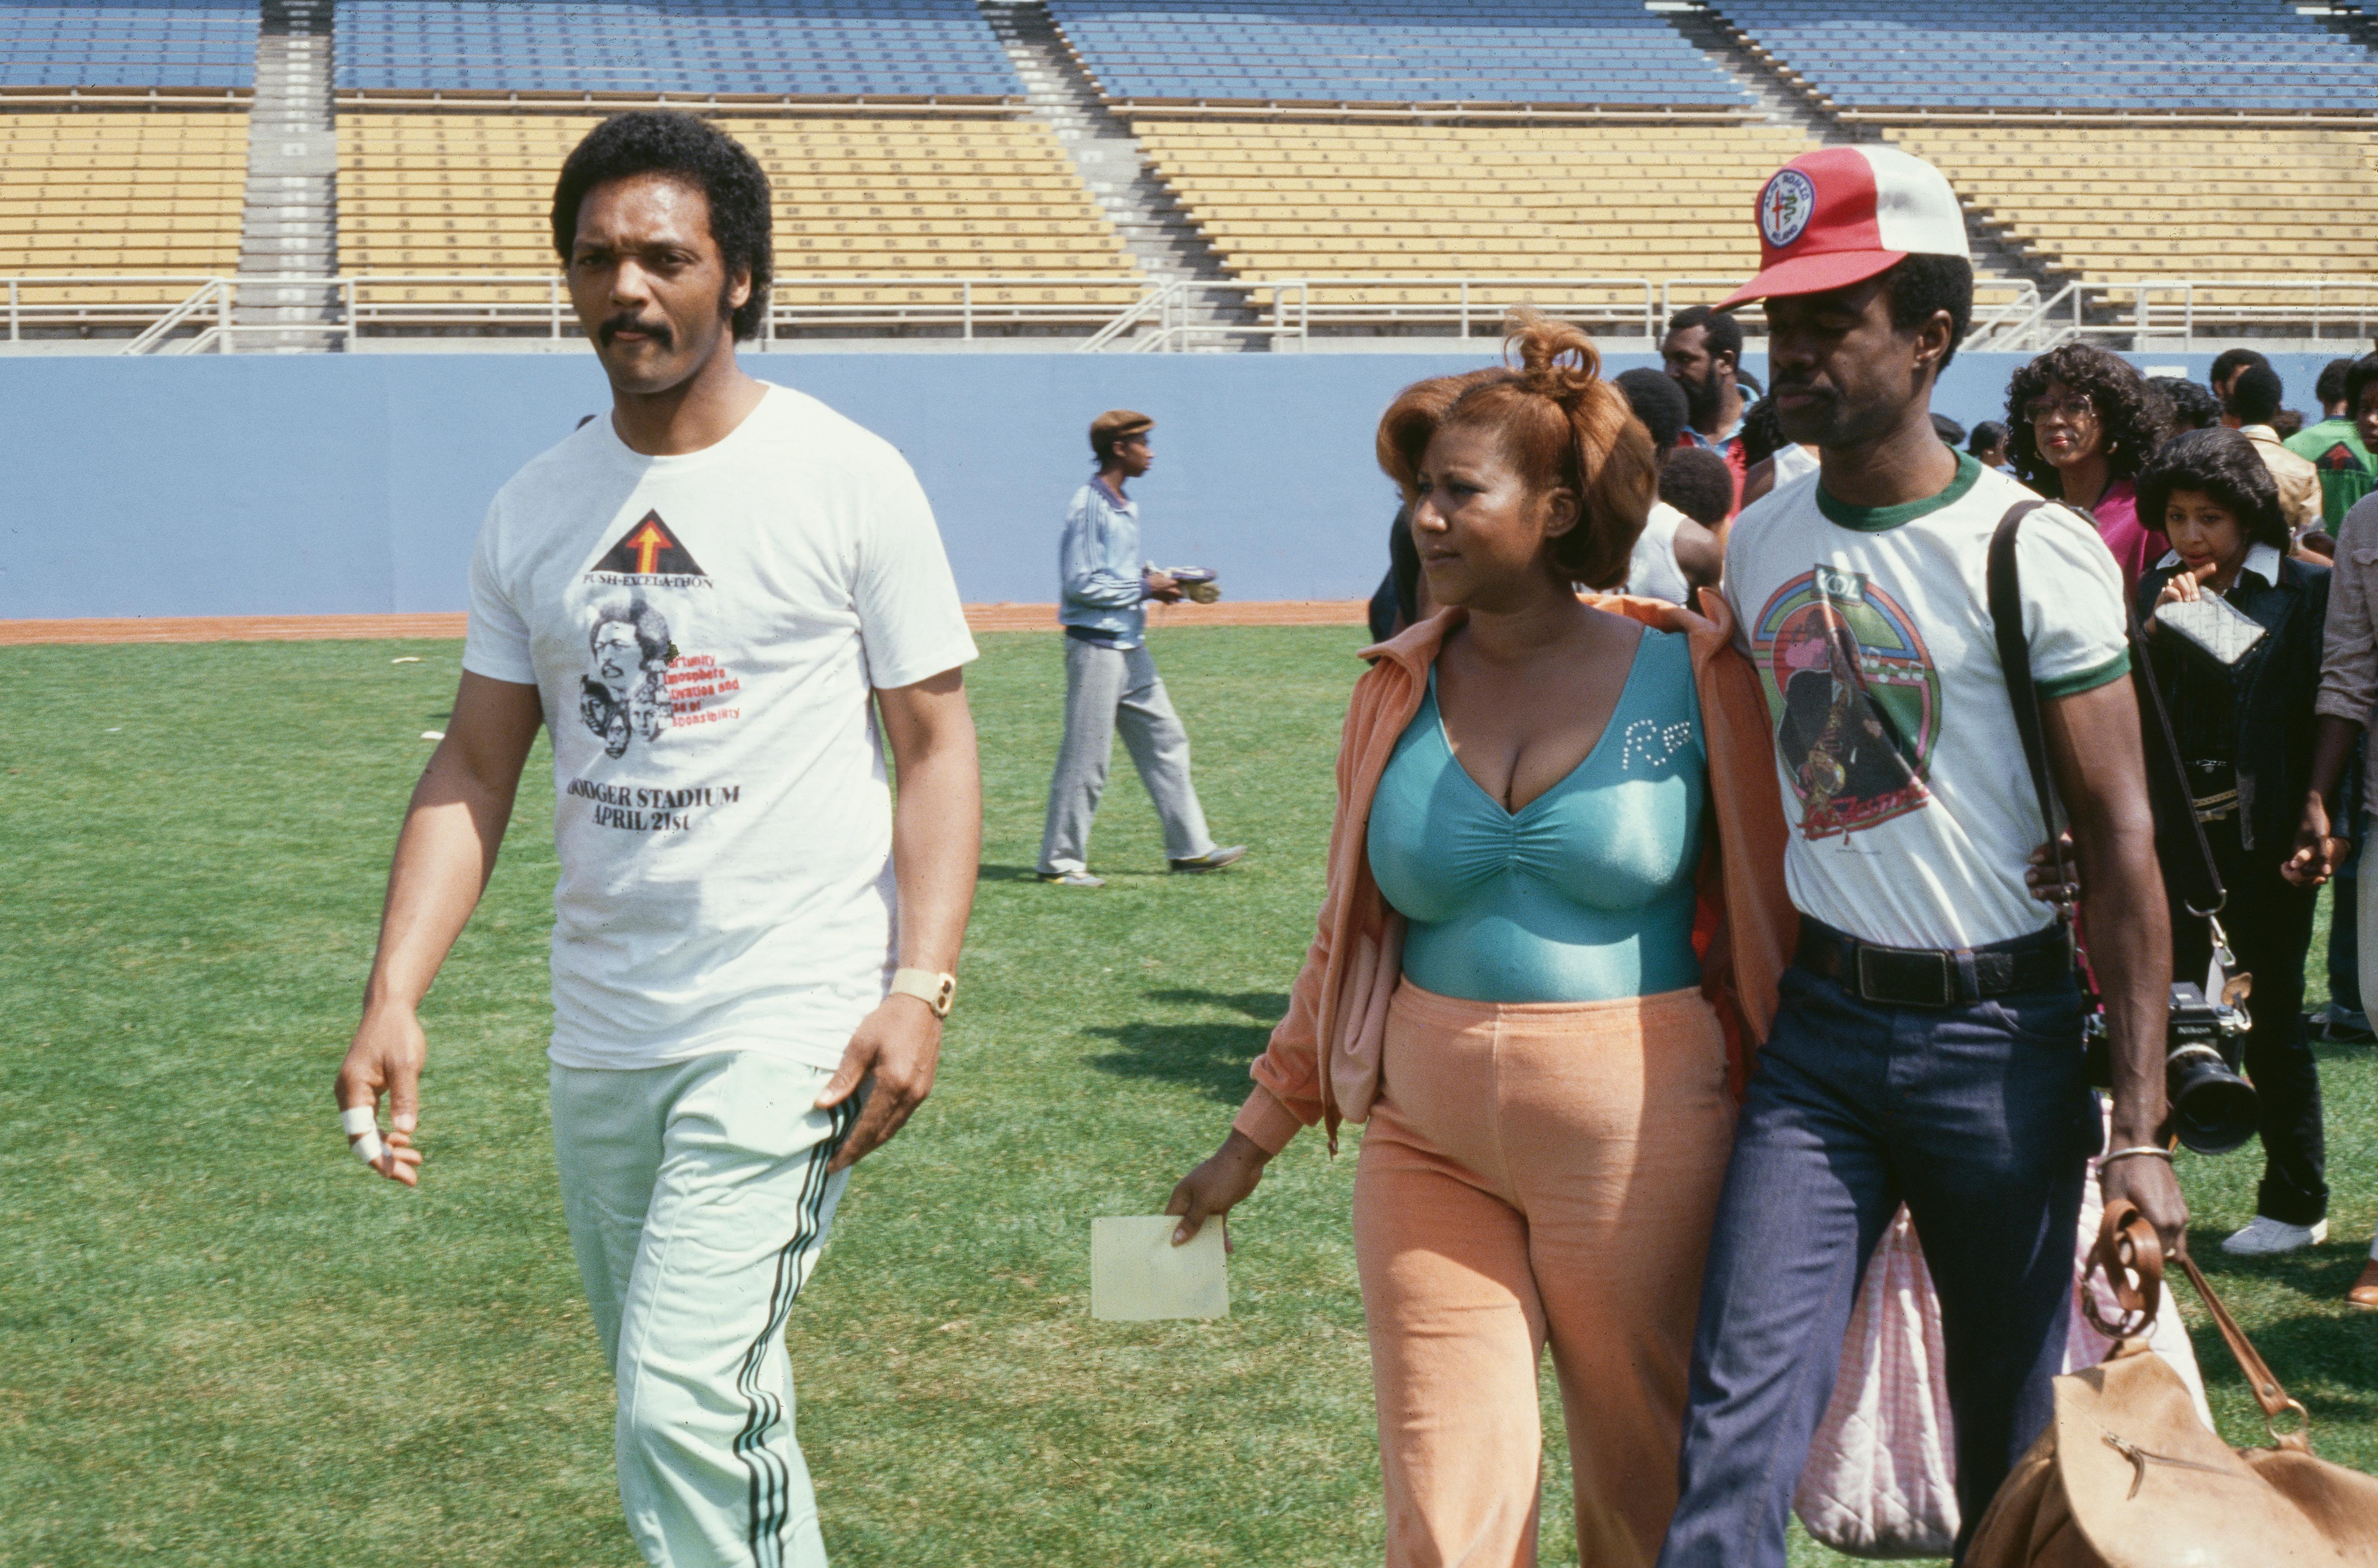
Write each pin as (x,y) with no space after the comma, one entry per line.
(1912,976)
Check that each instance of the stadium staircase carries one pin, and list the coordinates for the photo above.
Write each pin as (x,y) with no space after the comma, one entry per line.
(1160,235)
(1776,99)
(2353,22)
(289,222)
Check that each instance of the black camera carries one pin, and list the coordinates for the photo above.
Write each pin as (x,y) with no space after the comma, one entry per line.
(2212,1109)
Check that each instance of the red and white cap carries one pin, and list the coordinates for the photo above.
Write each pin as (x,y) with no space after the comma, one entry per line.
(1840,215)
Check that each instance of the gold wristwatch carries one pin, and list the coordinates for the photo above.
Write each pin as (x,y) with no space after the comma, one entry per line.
(936,991)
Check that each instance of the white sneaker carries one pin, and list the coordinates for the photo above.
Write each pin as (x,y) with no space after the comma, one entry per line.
(2267,1237)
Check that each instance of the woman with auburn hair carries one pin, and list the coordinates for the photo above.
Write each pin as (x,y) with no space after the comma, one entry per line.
(2084,423)
(1402,598)
(1515,981)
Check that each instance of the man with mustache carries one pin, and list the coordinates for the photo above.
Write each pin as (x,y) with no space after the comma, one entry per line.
(752,951)
(1703,355)
(1928,1048)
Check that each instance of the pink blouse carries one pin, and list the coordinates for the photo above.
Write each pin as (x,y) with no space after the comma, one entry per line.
(2135,547)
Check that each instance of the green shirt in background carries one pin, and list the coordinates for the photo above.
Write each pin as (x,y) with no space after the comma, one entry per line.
(2347,472)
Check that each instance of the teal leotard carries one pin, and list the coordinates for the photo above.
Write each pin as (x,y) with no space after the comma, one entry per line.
(1586,894)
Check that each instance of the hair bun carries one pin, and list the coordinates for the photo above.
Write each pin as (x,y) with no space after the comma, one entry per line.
(1555,359)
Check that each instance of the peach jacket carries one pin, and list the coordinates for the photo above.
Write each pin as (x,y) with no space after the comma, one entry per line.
(1744,931)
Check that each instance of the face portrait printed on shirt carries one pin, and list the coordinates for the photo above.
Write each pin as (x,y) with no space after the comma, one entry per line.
(1855,700)
(625,692)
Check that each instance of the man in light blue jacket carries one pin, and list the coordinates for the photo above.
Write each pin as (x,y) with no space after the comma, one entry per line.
(1111,680)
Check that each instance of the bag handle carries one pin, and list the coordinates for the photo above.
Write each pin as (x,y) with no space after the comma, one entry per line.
(2273,1399)
(2166,780)
(2128,1248)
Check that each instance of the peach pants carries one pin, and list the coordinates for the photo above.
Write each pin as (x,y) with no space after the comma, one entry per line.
(1536,1172)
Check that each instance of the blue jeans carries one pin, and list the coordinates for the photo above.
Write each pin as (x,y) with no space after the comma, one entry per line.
(1979,1116)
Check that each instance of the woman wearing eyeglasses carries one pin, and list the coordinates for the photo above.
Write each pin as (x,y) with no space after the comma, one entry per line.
(2084,423)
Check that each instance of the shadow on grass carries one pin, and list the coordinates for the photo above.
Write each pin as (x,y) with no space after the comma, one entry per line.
(1208,1057)
(1265,1007)
(2320,1356)
(989,873)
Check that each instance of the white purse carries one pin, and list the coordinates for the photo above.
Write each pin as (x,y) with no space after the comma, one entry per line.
(2217,629)
(1881,1476)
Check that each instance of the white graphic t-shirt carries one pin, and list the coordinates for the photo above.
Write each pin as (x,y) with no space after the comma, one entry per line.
(703,632)
(1912,809)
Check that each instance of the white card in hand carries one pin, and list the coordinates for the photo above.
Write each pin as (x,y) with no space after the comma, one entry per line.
(1136,1273)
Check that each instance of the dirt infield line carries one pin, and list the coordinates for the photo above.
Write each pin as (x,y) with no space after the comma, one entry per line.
(325,628)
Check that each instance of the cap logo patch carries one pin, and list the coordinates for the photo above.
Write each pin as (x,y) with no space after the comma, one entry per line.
(1785,206)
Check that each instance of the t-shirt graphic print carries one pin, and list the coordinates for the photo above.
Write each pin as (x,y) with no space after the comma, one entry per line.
(1903,773)
(703,632)
(639,683)
(1856,700)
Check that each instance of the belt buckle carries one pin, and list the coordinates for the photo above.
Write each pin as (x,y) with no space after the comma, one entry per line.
(1948,978)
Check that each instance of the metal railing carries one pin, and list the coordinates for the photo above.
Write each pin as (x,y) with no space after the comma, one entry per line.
(72,300)
(1214,312)
(2170,311)
(183,314)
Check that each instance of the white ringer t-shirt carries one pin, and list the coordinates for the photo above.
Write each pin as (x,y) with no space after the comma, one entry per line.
(703,632)
(1912,809)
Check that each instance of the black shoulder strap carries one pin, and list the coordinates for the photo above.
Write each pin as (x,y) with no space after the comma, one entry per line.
(2005,586)
(2198,879)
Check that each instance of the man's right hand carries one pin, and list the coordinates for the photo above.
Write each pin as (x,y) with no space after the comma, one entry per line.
(386,1058)
(1216,1186)
(1161,587)
(2317,850)
(2153,1186)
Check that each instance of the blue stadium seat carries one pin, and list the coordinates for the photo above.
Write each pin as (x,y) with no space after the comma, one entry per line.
(827,48)
(2118,55)
(1552,51)
(167,43)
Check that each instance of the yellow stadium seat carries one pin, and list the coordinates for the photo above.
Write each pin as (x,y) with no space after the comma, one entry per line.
(1329,201)
(929,199)
(125,193)
(2113,202)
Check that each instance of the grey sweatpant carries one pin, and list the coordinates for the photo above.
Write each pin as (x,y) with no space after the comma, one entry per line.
(1107,689)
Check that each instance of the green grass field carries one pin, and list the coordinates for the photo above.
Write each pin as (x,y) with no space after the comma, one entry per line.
(221,1342)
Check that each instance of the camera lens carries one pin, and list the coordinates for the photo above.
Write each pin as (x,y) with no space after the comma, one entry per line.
(2212,1109)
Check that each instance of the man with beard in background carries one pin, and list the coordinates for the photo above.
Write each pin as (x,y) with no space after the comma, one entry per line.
(1703,354)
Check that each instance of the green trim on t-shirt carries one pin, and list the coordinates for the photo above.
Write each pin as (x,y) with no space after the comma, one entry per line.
(1882,519)
(2087,680)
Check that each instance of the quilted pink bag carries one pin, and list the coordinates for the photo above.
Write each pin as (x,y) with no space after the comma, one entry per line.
(1881,1476)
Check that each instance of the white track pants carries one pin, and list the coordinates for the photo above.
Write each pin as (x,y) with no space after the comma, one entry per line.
(698,1202)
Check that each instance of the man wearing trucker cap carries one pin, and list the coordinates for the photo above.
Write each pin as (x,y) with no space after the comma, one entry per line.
(1927,1048)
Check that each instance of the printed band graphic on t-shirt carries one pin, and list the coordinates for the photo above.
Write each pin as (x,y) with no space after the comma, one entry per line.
(1855,700)
(2338,459)
(648,551)
(625,692)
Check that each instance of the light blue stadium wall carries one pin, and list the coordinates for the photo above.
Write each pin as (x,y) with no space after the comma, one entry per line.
(325,484)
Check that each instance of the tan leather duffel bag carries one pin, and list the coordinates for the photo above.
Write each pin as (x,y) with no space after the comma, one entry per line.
(2127,1476)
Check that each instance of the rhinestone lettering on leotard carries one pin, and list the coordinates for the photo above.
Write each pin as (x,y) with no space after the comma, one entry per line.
(1653,741)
